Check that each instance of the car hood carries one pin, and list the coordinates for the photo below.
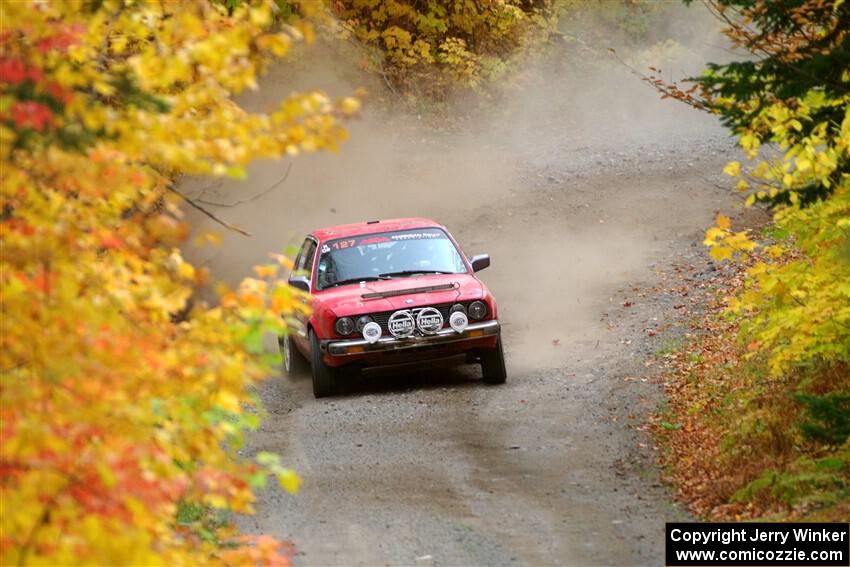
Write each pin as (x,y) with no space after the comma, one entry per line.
(401,293)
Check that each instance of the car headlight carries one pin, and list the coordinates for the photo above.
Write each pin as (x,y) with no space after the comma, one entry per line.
(362,322)
(458,307)
(477,310)
(344,326)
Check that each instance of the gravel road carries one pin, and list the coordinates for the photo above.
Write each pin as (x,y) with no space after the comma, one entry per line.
(583,196)
(427,465)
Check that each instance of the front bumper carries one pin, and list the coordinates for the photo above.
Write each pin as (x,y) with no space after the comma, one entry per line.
(351,347)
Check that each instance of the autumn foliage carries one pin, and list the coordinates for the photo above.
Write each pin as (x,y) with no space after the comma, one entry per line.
(436,47)
(764,420)
(738,445)
(120,425)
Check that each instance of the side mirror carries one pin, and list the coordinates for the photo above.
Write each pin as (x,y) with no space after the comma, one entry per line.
(479,262)
(300,282)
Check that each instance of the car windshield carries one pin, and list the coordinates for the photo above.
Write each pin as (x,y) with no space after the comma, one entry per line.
(387,255)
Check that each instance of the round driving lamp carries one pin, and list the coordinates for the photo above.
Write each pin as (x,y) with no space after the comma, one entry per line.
(477,310)
(458,321)
(362,322)
(372,332)
(344,326)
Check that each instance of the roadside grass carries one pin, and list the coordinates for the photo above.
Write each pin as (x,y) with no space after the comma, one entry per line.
(668,346)
(738,444)
(202,521)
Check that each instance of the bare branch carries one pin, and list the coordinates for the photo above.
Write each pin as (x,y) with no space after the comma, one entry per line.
(201,209)
(273,186)
(666,90)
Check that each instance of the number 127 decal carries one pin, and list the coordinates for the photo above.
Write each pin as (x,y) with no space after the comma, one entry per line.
(342,244)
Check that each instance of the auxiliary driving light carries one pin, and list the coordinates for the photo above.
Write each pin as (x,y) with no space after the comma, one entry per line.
(458,321)
(372,332)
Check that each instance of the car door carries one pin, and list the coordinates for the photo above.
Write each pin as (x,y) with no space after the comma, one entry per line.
(304,266)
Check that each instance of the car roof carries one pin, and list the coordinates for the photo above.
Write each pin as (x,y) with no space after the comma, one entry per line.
(386,225)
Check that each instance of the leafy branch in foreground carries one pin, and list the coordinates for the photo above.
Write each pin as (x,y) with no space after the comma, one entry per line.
(116,421)
(762,427)
(788,103)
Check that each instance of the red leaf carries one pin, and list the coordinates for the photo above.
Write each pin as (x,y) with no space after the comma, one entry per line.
(31,114)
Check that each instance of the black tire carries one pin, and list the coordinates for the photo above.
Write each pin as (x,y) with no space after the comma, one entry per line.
(325,378)
(493,364)
(294,363)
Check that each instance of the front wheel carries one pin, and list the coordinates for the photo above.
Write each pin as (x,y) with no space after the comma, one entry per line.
(493,364)
(325,378)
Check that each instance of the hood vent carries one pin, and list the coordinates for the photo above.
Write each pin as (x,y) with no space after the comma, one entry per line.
(397,292)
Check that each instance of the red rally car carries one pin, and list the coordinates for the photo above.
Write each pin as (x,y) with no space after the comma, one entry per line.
(389,292)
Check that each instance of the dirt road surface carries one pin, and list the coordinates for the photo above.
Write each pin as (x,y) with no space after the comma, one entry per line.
(580,192)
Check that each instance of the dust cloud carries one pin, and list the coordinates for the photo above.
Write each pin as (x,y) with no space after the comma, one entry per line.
(553,180)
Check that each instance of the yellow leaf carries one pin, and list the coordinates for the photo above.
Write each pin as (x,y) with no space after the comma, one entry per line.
(282,260)
(261,15)
(106,475)
(213,238)
(758,268)
(215,500)
(721,253)
(266,271)
(187,271)
(723,222)
(732,168)
(289,481)
(350,105)
(104,88)
(228,401)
